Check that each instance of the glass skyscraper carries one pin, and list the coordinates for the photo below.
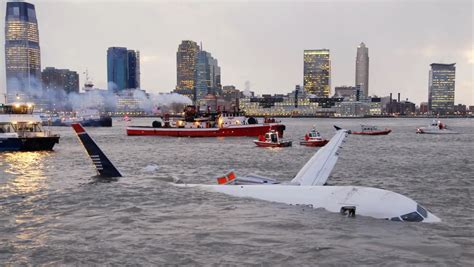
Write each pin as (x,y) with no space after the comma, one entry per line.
(441,88)
(362,69)
(207,76)
(123,69)
(185,65)
(22,52)
(317,72)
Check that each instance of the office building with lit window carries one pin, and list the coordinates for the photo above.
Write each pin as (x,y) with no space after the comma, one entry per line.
(123,69)
(22,52)
(60,79)
(441,88)
(185,66)
(317,72)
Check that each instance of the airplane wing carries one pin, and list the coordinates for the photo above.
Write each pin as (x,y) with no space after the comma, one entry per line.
(104,167)
(317,170)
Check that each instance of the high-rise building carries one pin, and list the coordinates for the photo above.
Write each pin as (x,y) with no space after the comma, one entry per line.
(123,69)
(362,69)
(185,65)
(22,52)
(133,69)
(441,88)
(207,76)
(317,72)
(60,79)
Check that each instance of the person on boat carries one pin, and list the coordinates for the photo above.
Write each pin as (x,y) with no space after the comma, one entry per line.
(274,138)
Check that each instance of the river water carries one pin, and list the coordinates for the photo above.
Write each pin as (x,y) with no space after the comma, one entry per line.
(53,212)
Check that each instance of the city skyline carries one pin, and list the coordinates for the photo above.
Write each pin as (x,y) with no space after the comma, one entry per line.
(247,48)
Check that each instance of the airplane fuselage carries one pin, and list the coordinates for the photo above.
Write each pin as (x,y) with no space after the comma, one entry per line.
(368,201)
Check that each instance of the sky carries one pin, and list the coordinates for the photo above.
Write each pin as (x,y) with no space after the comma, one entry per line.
(262,42)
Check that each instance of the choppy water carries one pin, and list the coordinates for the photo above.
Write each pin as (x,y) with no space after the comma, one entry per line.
(52,212)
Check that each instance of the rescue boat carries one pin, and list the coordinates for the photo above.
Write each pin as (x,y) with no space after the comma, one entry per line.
(436,127)
(369,130)
(271,139)
(314,139)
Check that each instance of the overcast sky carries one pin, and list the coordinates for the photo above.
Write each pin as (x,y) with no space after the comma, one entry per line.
(263,42)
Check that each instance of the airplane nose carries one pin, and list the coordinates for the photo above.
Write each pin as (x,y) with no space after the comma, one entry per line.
(432,218)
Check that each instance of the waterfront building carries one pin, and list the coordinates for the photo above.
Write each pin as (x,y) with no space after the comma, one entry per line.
(441,88)
(185,66)
(317,72)
(128,102)
(362,69)
(60,79)
(460,109)
(284,105)
(398,107)
(354,109)
(424,108)
(22,52)
(347,92)
(123,69)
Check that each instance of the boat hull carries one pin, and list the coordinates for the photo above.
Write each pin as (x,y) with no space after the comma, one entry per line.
(241,130)
(28,143)
(384,132)
(314,143)
(430,131)
(269,144)
(102,122)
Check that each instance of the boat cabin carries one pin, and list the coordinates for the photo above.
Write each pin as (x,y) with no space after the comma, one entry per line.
(272,137)
(367,128)
(18,118)
(314,134)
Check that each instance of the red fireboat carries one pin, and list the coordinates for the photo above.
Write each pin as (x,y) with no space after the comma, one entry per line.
(218,124)
(314,139)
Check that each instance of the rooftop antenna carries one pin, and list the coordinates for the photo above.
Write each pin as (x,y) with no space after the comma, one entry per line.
(201,45)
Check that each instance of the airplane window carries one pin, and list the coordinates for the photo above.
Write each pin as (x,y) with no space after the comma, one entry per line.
(412,217)
(421,211)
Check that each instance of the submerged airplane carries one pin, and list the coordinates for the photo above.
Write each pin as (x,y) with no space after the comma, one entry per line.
(307,188)
(105,168)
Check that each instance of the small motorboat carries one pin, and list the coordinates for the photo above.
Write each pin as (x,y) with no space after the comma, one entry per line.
(369,130)
(313,138)
(271,139)
(436,127)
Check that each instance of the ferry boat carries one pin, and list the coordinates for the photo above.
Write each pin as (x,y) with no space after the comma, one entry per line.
(271,139)
(87,118)
(196,124)
(20,130)
(436,127)
(369,130)
(314,139)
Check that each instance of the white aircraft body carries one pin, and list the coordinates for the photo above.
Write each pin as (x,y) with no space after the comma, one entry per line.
(307,188)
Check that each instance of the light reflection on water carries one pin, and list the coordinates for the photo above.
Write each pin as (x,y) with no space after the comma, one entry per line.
(25,185)
(26,172)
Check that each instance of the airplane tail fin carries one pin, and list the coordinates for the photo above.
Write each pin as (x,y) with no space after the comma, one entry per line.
(104,167)
(337,128)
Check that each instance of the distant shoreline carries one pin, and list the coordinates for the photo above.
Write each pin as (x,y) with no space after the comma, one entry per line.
(327,117)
